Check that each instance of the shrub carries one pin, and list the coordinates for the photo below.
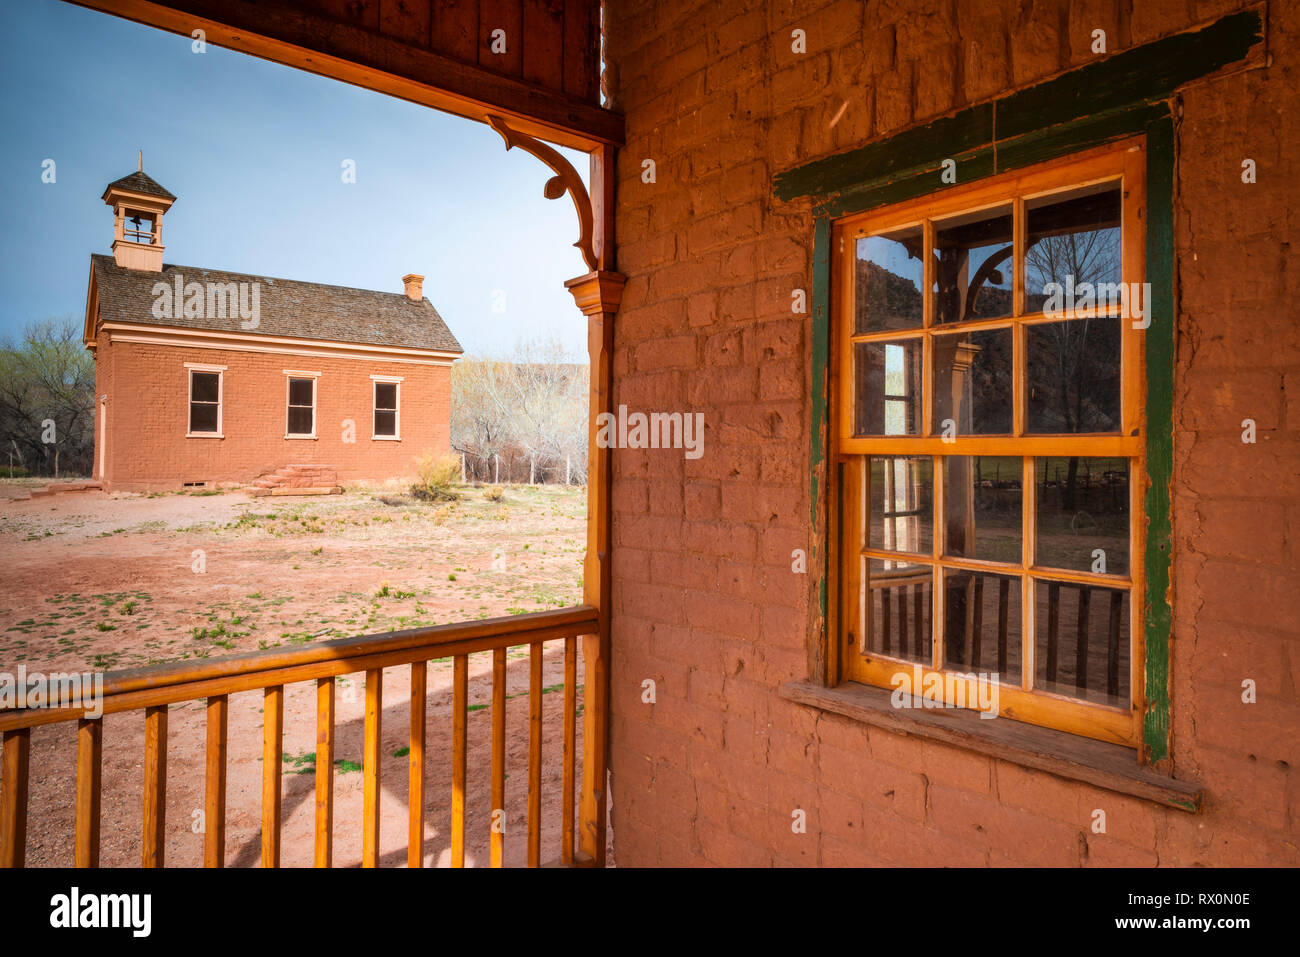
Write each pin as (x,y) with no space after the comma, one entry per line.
(494,493)
(434,477)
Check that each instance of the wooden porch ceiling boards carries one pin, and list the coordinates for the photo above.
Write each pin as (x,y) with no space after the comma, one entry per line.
(436,54)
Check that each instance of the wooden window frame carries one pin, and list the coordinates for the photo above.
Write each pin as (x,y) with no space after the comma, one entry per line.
(396,381)
(289,376)
(1124,160)
(220,373)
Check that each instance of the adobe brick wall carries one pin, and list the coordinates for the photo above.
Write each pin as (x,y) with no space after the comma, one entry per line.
(704,599)
(148,390)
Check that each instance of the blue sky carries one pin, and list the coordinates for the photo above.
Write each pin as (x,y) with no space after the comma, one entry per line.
(254,151)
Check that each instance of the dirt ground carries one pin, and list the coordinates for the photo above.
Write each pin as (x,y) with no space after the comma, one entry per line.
(95,581)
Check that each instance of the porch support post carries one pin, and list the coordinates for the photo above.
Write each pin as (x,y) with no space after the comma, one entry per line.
(598,295)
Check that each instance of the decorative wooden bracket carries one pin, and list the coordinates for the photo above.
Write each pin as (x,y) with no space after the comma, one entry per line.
(566,178)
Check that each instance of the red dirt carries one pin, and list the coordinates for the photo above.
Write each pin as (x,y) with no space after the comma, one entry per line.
(318,564)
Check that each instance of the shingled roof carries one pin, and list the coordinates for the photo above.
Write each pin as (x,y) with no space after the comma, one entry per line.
(302,310)
(139,182)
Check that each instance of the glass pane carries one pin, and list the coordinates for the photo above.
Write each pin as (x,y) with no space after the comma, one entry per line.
(981,507)
(1082,641)
(385,422)
(973,266)
(1082,514)
(1072,245)
(204,386)
(300,391)
(982,624)
(1073,373)
(972,383)
(385,395)
(888,281)
(902,504)
(899,609)
(299,421)
(203,417)
(888,392)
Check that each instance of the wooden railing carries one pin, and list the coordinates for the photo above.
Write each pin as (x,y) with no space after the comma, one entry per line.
(153,690)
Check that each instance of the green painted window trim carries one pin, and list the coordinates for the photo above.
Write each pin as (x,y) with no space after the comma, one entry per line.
(1120,96)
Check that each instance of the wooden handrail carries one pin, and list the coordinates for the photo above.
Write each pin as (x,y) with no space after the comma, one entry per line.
(133,689)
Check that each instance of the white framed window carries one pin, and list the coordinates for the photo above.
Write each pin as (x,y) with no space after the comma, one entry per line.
(300,404)
(206,388)
(386,421)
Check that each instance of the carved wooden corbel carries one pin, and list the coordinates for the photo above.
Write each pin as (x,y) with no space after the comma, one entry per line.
(566,178)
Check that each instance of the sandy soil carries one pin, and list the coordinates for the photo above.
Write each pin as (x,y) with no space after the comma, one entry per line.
(98,581)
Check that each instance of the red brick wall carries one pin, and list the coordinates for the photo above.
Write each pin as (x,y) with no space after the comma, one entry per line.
(148,390)
(704,599)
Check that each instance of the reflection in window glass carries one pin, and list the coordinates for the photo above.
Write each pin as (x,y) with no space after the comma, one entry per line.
(973,266)
(1081,640)
(1073,371)
(981,507)
(1082,514)
(901,504)
(899,609)
(888,387)
(982,623)
(888,280)
(1072,239)
(972,382)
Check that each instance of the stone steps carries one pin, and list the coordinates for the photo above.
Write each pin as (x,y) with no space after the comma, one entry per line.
(298,480)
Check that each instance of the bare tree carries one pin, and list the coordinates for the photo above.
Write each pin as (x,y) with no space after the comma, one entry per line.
(531,406)
(47,398)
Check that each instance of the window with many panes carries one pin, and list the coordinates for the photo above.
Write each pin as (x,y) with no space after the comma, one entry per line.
(989,439)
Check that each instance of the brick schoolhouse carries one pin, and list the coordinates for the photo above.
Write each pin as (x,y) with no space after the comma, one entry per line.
(205,377)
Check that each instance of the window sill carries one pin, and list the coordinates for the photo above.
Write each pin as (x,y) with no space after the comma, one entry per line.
(385,438)
(204,435)
(1069,756)
(311,438)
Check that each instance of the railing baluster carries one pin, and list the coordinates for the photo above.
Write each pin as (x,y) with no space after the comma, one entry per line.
(13,797)
(1112,643)
(1053,627)
(570,746)
(1004,589)
(214,797)
(90,750)
(155,786)
(902,619)
(460,691)
(415,802)
(324,772)
(535,754)
(1081,640)
(886,624)
(272,758)
(370,768)
(497,838)
(977,624)
(918,619)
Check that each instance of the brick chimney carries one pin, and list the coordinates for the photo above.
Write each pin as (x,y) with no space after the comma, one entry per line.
(414,286)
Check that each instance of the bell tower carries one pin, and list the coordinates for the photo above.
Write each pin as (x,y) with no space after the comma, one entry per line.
(138,206)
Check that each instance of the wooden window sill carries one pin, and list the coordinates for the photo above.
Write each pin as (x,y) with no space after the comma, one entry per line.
(1069,756)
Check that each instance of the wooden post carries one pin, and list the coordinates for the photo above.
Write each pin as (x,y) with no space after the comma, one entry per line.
(598,295)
